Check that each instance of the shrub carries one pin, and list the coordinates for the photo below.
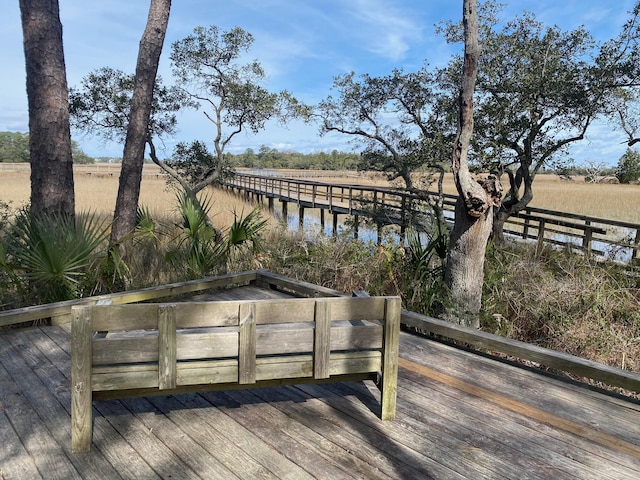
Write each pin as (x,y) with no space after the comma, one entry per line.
(48,256)
(560,300)
(628,170)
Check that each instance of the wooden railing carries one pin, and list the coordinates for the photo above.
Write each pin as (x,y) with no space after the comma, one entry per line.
(61,313)
(591,235)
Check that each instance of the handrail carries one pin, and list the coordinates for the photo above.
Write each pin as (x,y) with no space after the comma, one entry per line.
(591,235)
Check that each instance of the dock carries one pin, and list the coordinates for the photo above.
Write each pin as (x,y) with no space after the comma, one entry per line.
(460,415)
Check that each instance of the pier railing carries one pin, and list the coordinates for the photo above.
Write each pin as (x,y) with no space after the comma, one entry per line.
(387,206)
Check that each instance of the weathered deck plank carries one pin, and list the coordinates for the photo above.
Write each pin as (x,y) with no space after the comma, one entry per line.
(459,415)
(591,410)
(14,458)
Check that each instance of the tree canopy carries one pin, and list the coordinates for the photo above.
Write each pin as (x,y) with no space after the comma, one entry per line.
(395,118)
(208,67)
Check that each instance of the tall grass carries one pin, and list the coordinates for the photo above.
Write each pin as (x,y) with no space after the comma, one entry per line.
(97,192)
(559,300)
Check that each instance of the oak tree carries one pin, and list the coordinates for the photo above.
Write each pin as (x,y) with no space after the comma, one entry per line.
(208,66)
(393,118)
(464,272)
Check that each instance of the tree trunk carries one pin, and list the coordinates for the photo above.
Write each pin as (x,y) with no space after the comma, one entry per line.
(465,265)
(124,217)
(52,191)
(473,216)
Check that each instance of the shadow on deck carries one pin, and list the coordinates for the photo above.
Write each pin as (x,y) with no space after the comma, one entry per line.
(459,415)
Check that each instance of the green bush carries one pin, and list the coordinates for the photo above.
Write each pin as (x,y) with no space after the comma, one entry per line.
(628,170)
(49,256)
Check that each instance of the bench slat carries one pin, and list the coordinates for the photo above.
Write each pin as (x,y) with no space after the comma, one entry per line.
(167,347)
(322,339)
(247,347)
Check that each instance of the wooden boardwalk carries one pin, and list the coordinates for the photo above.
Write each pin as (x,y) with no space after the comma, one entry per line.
(460,415)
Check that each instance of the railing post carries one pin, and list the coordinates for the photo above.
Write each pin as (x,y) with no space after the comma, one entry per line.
(525,230)
(540,234)
(330,190)
(586,240)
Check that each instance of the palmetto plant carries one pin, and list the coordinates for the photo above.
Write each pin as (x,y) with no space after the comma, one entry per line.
(200,249)
(246,231)
(50,255)
(425,266)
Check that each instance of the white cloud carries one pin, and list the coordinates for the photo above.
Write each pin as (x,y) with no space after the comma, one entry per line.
(385,30)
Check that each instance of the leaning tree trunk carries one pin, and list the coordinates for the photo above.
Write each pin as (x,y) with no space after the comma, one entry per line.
(473,216)
(124,217)
(52,191)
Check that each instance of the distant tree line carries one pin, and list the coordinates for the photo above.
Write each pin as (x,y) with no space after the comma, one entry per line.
(14,147)
(272,158)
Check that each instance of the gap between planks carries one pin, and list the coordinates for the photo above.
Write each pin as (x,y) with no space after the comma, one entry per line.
(555,421)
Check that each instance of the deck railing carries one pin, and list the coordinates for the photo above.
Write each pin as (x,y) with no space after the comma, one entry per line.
(591,235)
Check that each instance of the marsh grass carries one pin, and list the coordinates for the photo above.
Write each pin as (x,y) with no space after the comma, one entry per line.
(550,192)
(97,187)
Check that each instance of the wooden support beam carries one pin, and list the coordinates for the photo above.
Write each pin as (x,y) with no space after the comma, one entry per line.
(81,416)
(391,343)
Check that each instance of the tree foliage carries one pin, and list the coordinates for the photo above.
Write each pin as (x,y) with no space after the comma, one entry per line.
(14,147)
(101,106)
(394,118)
(539,90)
(628,170)
(208,66)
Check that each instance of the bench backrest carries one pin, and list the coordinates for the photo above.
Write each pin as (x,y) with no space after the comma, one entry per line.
(166,345)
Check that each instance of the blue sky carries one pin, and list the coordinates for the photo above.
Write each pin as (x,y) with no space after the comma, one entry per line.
(302,44)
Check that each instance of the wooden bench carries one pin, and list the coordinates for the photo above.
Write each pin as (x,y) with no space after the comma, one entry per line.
(170,348)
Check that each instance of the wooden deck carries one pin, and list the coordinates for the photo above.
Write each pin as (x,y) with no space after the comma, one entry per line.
(459,415)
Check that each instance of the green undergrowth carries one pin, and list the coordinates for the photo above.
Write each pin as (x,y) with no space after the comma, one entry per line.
(560,300)
(549,298)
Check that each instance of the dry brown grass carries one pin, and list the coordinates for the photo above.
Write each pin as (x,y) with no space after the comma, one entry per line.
(97,192)
(610,201)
